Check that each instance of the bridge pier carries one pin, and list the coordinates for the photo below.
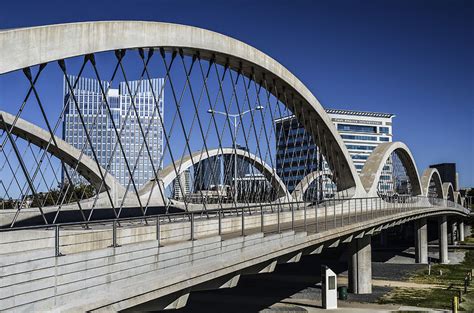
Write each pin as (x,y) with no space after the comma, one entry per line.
(454,234)
(421,241)
(461,231)
(443,239)
(360,266)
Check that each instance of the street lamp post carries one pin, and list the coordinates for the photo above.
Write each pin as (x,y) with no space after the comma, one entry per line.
(235,124)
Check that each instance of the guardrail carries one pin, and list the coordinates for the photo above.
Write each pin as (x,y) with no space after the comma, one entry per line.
(238,221)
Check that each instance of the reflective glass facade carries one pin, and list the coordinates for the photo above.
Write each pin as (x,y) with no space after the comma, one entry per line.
(297,156)
(99,125)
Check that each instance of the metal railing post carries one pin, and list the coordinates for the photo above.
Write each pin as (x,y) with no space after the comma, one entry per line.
(380,205)
(219,221)
(56,241)
(334,206)
(316,217)
(292,217)
(278,218)
(372,208)
(342,213)
(243,222)
(114,234)
(366,209)
(325,216)
(261,219)
(355,207)
(304,216)
(192,227)
(158,227)
(349,209)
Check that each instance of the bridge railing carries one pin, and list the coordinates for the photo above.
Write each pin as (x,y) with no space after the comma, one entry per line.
(67,238)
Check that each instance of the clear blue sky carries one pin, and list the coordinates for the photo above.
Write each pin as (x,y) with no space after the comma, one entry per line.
(412,58)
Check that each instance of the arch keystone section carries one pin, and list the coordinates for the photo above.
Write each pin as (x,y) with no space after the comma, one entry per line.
(372,170)
(448,191)
(428,175)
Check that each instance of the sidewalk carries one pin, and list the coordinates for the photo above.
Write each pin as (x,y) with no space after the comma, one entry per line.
(311,306)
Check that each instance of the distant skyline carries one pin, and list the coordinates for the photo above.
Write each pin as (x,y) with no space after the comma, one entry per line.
(411,58)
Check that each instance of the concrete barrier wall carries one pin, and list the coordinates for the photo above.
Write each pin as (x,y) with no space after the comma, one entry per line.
(32,278)
(37,284)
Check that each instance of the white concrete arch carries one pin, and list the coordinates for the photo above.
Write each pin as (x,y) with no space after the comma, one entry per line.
(24,47)
(370,174)
(303,185)
(168,174)
(448,191)
(65,152)
(457,197)
(432,174)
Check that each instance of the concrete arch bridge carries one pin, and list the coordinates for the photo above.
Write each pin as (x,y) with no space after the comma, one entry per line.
(152,113)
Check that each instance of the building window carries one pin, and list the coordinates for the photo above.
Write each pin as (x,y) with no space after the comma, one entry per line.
(355,137)
(384,130)
(357,147)
(359,157)
(384,138)
(357,128)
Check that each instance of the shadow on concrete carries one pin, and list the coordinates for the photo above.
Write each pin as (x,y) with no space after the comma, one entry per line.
(98,214)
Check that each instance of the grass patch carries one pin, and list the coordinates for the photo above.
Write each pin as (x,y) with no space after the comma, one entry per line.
(429,298)
(453,275)
(445,286)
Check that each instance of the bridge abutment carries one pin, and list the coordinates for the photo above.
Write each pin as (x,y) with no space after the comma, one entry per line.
(443,239)
(421,241)
(360,266)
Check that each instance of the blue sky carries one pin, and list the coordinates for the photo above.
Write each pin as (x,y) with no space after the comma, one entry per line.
(412,58)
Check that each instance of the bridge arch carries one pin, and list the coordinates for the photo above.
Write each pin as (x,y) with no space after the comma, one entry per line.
(63,151)
(458,197)
(372,170)
(300,189)
(168,174)
(448,191)
(431,177)
(25,47)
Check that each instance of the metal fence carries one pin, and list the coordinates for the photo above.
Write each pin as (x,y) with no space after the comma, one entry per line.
(229,223)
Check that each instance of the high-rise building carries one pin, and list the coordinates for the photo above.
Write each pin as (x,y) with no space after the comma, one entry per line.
(243,167)
(297,155)
(447,173)
(207,173)
(182,185)
(99,125)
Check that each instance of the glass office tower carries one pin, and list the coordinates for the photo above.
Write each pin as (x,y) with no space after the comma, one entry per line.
(99,126)
(297,155)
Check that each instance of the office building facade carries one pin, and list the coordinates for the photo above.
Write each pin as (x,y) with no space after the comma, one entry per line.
(98,123)
(182,185)
(207,173)
(447,173)
(297,155)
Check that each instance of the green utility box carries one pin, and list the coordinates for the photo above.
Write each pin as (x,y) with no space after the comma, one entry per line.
(342,293)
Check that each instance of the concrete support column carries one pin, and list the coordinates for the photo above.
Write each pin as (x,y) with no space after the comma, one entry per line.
(443,239)
(360,266)
(421,241)
(461,230)
(454,227)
